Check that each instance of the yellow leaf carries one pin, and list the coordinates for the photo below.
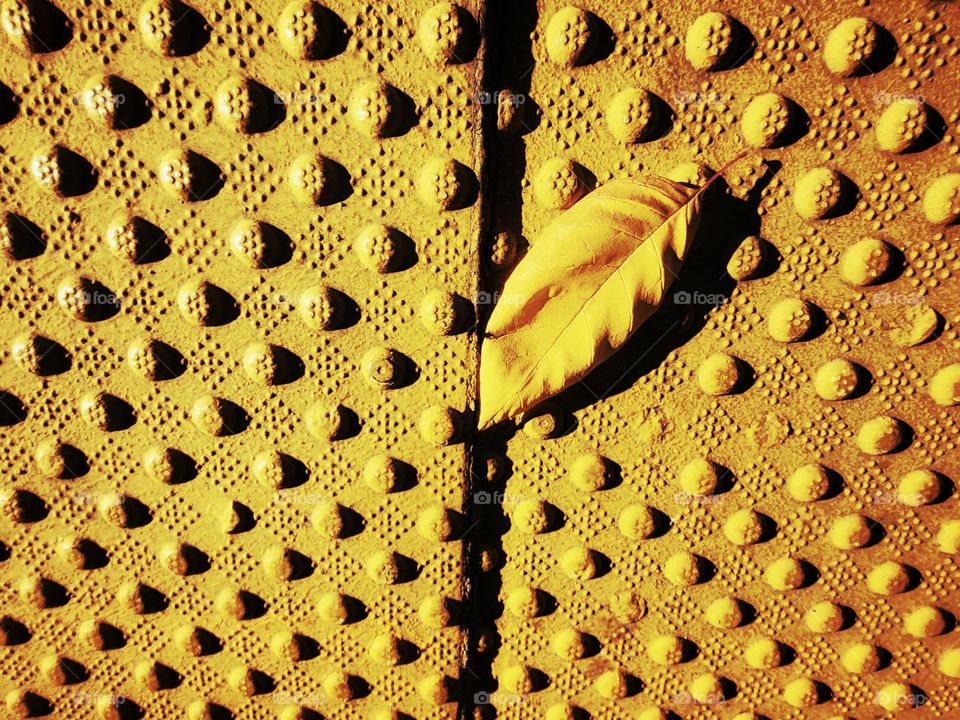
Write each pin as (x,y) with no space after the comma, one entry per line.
(596,273)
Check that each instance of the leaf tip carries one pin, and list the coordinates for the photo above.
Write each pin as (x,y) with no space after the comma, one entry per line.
(484,419)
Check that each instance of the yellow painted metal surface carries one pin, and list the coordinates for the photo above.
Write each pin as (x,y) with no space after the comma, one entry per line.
(245,246)
(637,579)
(239,242)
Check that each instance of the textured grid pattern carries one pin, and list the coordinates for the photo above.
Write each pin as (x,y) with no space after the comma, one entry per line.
(748,509)
(238,243)
(245,249)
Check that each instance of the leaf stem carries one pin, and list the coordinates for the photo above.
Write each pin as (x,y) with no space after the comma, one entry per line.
(719,173)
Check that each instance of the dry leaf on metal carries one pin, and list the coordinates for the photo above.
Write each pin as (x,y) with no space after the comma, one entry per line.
(594,276)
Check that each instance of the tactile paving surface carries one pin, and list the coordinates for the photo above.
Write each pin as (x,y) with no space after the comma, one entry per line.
(239,239)
(751,508)
(243,249)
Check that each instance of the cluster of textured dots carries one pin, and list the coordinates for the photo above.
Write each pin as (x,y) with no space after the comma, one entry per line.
(808,581)
(646,36)
(768,120)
